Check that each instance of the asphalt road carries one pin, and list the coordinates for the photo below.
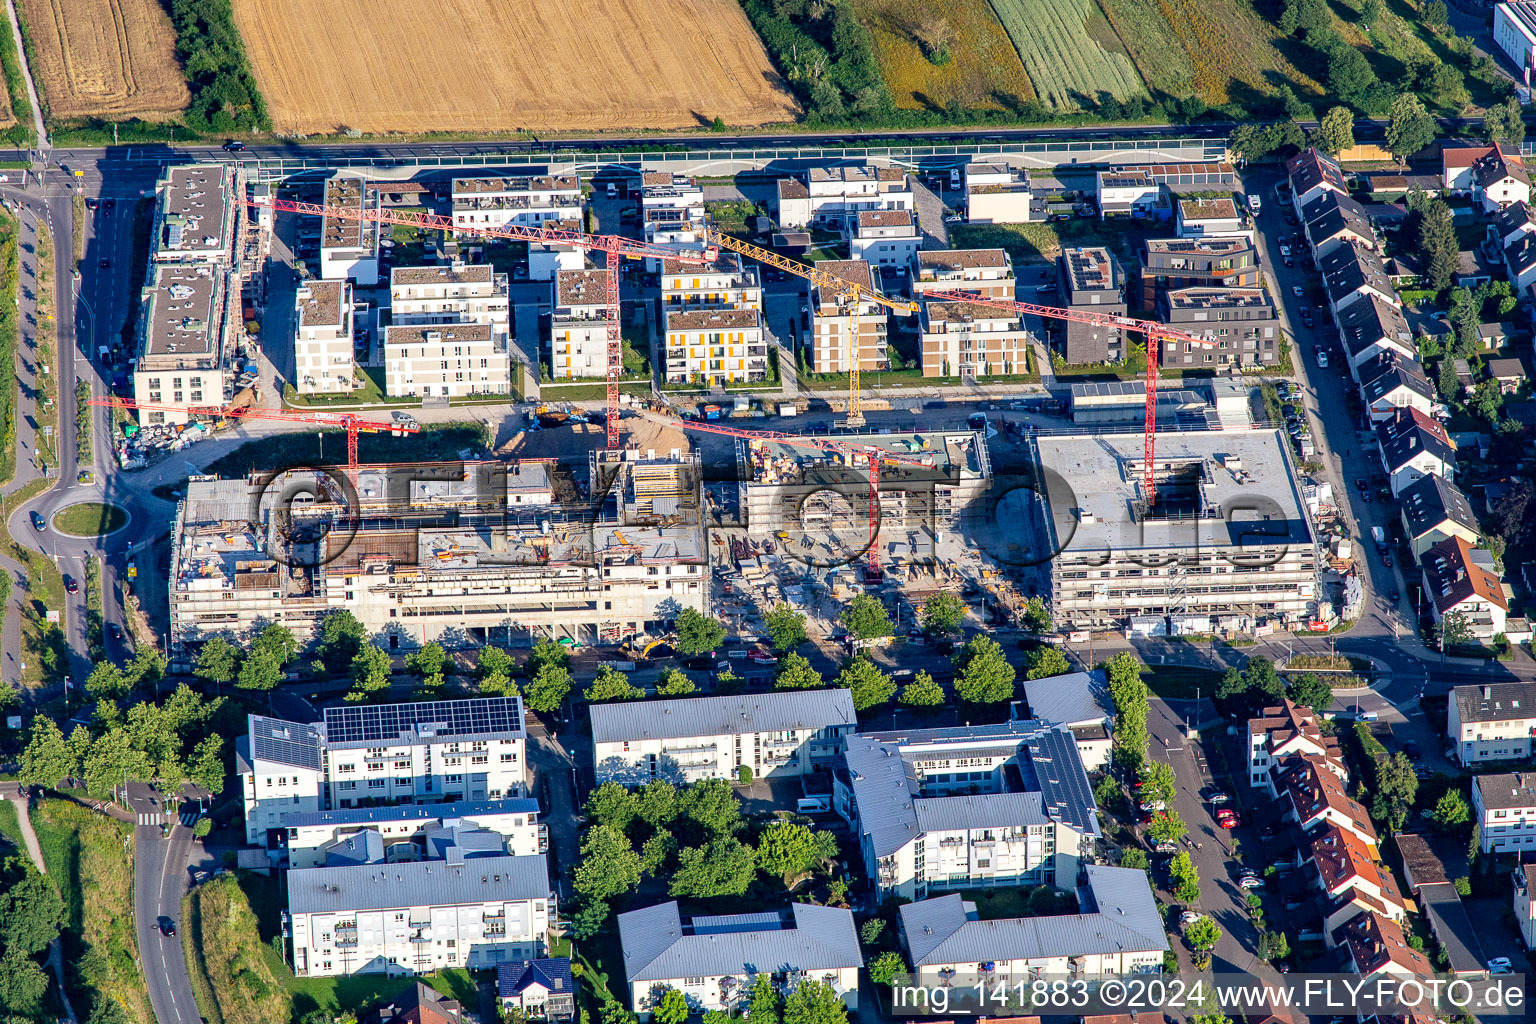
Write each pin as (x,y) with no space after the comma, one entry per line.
(162,873)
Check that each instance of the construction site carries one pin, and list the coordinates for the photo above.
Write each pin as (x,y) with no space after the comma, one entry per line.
(1221,543)
(458,553)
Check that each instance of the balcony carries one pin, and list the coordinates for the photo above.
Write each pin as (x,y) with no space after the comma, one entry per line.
(420,938)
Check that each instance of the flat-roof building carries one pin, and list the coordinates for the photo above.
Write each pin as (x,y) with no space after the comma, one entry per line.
(969,340)
(830,196)
(1241,324)
(449,332)
(886,238)
(1173,263)
(1091,278)
(323,355)
(833,349)
(404,829)
(349,247)
(524,200)
(199,213)
(987,272)
(184,339)
(578,325)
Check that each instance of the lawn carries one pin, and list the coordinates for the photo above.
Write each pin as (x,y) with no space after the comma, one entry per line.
(233,981)
(981,69)
(371,393)
(89,519)
(90,856)
(10,828)
(1040,242)
(44,585)
(441,442)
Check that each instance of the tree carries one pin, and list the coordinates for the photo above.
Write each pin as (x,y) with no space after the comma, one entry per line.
(371,668)
(922,692)
(886,968)
(1350,77)
(1434,14)
(1037,619)
(786,627)
(206,767)
(47,759)
(1455,631)
(585,923)
(1128,691)
(31,910)
(1185,878)
(1256,683)
(1437,244)
(1132,857)
(494,663)
(1272,946)
(549,689)
(1045,662)
(934,34)
(341,637)
(218,662)
(724,867)
(866,618)
(786,849)
(613,805)
(763,1006)
(611,684)
(795,673)
(657,853)
(675,683)
(1203,933)
(609,864)
(656,803)
(276,642)
(942,613)
(427,660)
(1311,690)
(1505,122)
(814,1002)
(22,984)
(712,807)
(870,686)
(110,759)
(1167,827)
(1451,813)
(982,672)
(672,1008)
(1371,13)
(1409,128)
(696,633)
(1336,131)
(1487,400)
(259,672)
(1304,16)
(1157,782)
(547,652)
(1396,787)
(744,775)
(106,682)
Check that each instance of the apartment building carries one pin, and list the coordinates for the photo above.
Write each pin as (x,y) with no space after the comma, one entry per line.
(1241,324)
(1203,479)
(999,194)
(199,213)
(1312,794)
(1281,732)
(829,197)
(322,344)
(844,328)
(1457,584)
(1524,876)
(987,272)
(1202,218)
(463,553)
(349,248)
(885,238)
(714,961)
(185,338)
(1372,328)
(774,734)
(1412,447)
(1123,191)
(1500,179)
(458,293)
(1116,931)
(1504,809)
(526,201)
(1352,273)
(1312,173)
(1176,263)
(403,830)
(1389,382)
(1435,510)
(1339,863)
(968,808)
(446,360)
(1090,278)
(433,752)
(1376,945)
(964,339)
(578,326)
(716,346)
(467,907)
(671,212)
(1078,701)
(1492,722)
(727,283)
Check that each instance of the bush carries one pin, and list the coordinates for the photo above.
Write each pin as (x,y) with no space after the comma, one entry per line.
(224,93)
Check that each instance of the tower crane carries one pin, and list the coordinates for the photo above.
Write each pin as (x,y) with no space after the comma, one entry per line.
(849,291)
(346,420)
(1155,334)
(615,246)
(872,456)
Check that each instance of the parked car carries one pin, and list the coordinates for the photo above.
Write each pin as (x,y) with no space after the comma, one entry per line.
(1250,882)
(1189,917)
(1500,965)
(1166,847)
(1213,795)
(1297,291)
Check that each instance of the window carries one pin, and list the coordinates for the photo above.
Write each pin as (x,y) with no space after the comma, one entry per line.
(375,783)
(693,982)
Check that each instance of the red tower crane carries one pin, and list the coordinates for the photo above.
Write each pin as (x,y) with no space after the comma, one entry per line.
(346,420)
(873,457)
(1154,331)
(615,246)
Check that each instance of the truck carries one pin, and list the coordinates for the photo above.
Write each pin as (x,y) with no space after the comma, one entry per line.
(1380,537)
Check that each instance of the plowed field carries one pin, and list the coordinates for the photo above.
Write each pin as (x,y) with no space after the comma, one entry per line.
(104,58)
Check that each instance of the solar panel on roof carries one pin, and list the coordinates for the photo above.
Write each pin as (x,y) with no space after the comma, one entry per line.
(482,716)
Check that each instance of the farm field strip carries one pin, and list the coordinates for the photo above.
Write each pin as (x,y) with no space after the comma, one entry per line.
(1062,45)
(983,69)
(103,58)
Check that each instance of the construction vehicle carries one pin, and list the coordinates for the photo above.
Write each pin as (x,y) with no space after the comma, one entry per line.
(1155,334)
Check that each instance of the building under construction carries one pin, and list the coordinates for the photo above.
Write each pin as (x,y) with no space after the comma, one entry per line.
(460,553)
(1222,544)
(818,501)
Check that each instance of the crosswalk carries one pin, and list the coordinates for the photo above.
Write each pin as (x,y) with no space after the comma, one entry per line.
(157,818)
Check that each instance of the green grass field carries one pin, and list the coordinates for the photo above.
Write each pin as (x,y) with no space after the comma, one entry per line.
(89,519)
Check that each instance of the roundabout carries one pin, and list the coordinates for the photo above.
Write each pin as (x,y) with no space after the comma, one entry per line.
(89,519)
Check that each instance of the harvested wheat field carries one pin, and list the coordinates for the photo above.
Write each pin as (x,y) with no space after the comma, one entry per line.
(972,60)
(104,58)
(488,65)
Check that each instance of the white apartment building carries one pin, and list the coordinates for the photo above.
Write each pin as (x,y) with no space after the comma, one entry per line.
(1116,931)
(454,294)
(578,326)
(1492,722)
(1514,29)
(322,344)
(774,734)
(830,197)
(987,272)
(447,360)
(312,836)
(716,346)
(714,961)
(844,329)
(199,212)
(939,809)
(886,238)
(1280,733)
(349,248)
(1456,583)
(999,194)
(1524,902)
(432,752)
(1504,808)
(468,909)
(184,342)
(671,212)
(526,201)
(968,340)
